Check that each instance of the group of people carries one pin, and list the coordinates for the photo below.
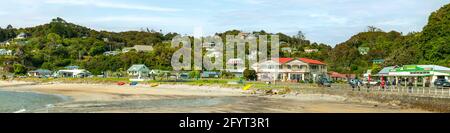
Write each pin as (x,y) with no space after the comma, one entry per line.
(384,84)
(355,83)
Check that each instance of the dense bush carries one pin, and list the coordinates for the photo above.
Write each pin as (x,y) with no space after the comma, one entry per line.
(250,74)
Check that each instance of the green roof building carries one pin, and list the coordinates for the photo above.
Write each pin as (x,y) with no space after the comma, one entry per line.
(138,70)
(421,73)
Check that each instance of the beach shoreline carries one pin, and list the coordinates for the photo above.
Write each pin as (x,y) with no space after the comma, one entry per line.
(179,98)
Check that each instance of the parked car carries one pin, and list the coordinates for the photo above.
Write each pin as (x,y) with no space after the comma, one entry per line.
(441,83)
(324,82)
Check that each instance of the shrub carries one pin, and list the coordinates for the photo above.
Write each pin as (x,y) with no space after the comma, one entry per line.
(194,74)
(226,75)
(250,74)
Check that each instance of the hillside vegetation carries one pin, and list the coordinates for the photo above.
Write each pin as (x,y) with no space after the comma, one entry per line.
(59,43)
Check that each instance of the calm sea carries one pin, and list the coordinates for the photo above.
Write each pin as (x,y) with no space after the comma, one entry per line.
(26,101)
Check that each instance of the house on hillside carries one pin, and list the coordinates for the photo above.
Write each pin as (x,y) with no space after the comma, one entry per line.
(5,43)
(22,35)
(311,50)
(127,49)
(138,48)
(244,35)
(253,55)
(143,48)
(111,53)
(290,69)
(5,52)
(378,61)
(236,62)
(138,71)
(209,45)
(72,67)
(363,50)
(286,49)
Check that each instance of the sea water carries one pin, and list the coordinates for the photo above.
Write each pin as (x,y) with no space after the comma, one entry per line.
(15,102)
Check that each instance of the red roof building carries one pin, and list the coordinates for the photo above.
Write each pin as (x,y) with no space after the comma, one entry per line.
(306,60)
(291,69)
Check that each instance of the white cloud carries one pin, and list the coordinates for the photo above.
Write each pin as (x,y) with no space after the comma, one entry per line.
(156,20)
(330,18)
(104,4)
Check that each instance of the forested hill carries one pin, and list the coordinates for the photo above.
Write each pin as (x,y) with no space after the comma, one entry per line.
(60,43)
(431,46)
(346,57)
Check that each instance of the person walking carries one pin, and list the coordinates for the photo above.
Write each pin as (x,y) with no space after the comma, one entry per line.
(352,84)
(359,84)
(410,85)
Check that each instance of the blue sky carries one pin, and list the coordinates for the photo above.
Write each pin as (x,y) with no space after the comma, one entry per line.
(324,21)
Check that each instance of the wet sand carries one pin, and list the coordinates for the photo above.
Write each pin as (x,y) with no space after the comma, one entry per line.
(99,98)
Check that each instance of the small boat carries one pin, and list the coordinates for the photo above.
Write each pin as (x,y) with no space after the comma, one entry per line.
(133,83)
(120,83)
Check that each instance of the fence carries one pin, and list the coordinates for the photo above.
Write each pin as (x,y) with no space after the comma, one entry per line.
(436,92)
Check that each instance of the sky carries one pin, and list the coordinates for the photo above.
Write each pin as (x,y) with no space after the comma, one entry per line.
(323,21)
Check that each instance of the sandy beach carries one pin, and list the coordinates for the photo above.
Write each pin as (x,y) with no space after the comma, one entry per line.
(167,98)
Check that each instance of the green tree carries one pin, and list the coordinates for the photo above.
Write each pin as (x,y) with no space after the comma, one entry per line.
(194,74)
(54,38)
(19,69)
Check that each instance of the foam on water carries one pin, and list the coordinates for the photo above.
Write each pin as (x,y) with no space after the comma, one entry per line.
(19,102)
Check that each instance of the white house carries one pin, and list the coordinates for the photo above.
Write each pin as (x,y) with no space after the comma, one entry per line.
(74,73)
(290,69)
(40,73)
(111,53)
(138,71)
(138,48)
(311,50)
(5,43)
(22,36)
(5,52)
(235,62)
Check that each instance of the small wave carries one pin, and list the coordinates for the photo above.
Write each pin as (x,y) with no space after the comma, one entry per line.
(20,111)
